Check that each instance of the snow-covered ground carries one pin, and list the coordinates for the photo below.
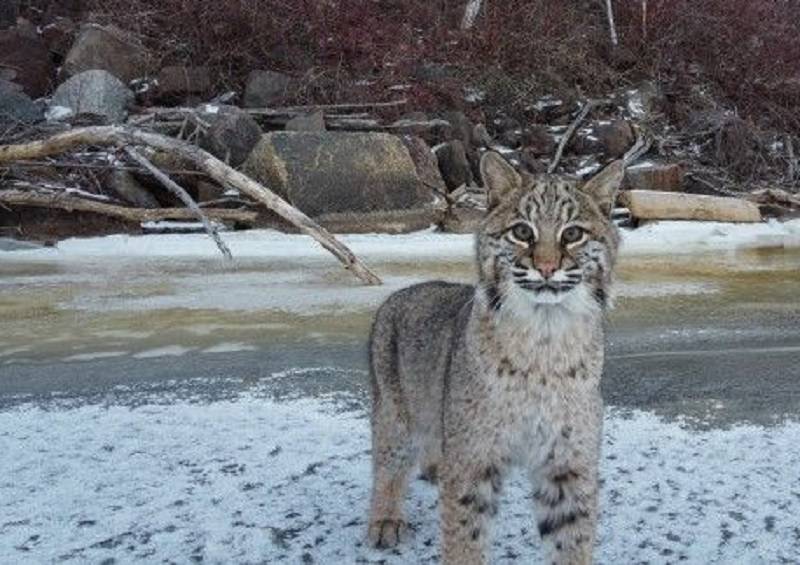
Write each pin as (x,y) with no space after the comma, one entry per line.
(253,480)
(667,238)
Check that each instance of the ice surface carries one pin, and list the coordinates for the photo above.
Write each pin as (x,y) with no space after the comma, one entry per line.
(666,238)
(257,481)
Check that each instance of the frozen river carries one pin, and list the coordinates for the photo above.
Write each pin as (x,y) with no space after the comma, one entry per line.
(158,405)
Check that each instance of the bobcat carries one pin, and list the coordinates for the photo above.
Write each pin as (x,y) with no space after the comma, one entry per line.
(472,380)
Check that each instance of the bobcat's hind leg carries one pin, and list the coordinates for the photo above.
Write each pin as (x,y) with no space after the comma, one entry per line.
(393,458)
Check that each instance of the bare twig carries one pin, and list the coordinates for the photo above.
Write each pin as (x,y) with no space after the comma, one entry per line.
(612,27)
(569,133)
(216,169)
(184,197)
(791,169)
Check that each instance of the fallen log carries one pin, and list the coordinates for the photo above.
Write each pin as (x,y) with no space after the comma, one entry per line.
(216,169)
(63,201)
(653,205)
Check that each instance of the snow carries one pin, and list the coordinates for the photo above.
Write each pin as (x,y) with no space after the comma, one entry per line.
(229,347)
(253,480)
(666,238)
(58,113)
(166,351)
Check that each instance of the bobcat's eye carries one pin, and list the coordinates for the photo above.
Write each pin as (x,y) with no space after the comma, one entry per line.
(522,232)
(572,234)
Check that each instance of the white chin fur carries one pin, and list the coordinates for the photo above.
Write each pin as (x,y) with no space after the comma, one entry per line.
(548,313)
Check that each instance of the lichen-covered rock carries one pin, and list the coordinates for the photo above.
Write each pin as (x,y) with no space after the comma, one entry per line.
(348,181)
(94,93)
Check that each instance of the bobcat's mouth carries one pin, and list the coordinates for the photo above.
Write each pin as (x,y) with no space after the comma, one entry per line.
(547,287)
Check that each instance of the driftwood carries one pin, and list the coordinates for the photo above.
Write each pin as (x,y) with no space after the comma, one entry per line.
(652,205)
(66,201)
(184,197)
(216,169)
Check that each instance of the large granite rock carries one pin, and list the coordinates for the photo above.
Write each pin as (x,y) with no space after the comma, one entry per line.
(352,182)
(108,49)
(94,93)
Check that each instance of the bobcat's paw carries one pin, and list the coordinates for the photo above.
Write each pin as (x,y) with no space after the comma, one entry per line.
(385,534)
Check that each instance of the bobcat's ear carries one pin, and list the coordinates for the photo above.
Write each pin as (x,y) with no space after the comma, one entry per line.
(499,177)
(604,185)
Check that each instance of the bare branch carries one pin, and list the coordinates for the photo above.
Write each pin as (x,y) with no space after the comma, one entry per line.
(184,197)
(569,133)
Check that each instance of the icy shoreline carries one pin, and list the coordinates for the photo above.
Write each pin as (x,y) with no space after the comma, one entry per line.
(667,238)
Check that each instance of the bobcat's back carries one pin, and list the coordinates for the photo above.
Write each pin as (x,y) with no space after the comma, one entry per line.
(410,346)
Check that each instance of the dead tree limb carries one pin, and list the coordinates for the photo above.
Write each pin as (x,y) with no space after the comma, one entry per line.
(562,144)
(184,197)
(471,11)
(612,27)
(216,169)
(65,201)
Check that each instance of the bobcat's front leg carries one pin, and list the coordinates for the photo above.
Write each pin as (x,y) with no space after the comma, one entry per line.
(469,491)
(566,497)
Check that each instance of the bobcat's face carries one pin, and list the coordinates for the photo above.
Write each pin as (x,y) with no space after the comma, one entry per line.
(547,239)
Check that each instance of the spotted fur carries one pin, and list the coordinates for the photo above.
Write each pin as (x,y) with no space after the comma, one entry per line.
(472,380)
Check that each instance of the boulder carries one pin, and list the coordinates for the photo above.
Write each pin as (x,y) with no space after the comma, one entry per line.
(655,176)
(9,9)
(348,181)
(130,190)
(59,35)
(231,135)
(16,107)
(265,88)
(308,122)
(538,140)
(426,163)
(454,165)
(26,61)
(652,205)
(95,93)
(616,137)
(106,48)
(177,82)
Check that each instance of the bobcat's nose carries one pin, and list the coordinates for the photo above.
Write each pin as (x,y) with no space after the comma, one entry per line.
(547,268)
